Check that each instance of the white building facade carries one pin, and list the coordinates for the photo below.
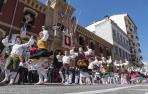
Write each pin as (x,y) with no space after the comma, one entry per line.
(127,25)
(113,34)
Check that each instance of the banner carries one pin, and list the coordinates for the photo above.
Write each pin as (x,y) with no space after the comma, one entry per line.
(67,41)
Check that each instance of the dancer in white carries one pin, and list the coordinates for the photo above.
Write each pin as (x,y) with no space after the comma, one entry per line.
(94,66)
(41,56)
(65,73)
(15,58)
(82,62)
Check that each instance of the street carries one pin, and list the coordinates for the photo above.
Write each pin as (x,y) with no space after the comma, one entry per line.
(74,89)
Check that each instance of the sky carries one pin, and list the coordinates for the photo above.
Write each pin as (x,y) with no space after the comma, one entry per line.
(89,11)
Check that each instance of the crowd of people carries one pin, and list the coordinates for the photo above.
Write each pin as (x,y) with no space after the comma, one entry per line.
(31,62)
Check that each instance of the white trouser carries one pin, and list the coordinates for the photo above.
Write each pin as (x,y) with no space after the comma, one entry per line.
(70,78)
(8,74)
(83,76)
(62,76)
(41,72)
(76,79)
(123,79)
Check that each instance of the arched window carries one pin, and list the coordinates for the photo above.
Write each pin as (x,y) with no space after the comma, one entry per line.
(28,19)
(108,52)
(92,46)
(81,41)
(101,49)
(1,4)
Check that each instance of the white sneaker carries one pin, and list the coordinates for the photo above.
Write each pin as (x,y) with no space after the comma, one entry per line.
(11,82)
(66,83)
(39,83)
(45,81)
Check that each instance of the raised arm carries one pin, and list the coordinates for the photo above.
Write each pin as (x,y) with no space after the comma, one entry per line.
(29,43)
(72,53)
(88,52)
(45,35)
(6,43)
(109,60)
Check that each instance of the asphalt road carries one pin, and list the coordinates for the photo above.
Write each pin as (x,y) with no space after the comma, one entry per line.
(74,89)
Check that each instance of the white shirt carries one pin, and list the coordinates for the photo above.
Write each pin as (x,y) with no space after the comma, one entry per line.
(66,59)
(92,64)
(87,53)
(6,43)
(18,48)
(45,35)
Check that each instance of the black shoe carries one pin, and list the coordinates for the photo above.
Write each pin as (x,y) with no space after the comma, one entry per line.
(3,83)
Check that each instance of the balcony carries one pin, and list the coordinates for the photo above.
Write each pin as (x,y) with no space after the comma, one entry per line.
(141,57)
(137,38)
(133,51)
(129,32)
(132,44)
(133,57)
(138,44)
(139,50)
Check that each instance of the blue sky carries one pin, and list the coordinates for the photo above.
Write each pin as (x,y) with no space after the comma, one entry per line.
(92,10)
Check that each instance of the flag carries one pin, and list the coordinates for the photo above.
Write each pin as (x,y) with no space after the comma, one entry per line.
(67,41)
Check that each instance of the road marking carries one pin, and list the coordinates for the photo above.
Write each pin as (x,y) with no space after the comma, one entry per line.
(103,90)
(140,89)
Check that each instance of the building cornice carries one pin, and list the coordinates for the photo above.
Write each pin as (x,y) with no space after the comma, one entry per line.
(15,28)
(92,36)
(36,5)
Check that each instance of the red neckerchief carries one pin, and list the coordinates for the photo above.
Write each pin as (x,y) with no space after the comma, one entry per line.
(82,55)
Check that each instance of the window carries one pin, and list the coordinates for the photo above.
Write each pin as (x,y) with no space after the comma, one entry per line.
(81,41)
(121,38)
(108,52)
(120,52)
(101,50)
(123,53)
(28,20)
(1,4)
(116,48)
(118,36)
(114,33)
(126,55)
(92,46)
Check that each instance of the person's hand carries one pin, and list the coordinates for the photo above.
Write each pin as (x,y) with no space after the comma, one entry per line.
(87,47)
(31,37)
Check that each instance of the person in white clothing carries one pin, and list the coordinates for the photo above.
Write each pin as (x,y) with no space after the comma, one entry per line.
(41,56)
(94,67)
(65,73)
(13,61)
(82,62)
